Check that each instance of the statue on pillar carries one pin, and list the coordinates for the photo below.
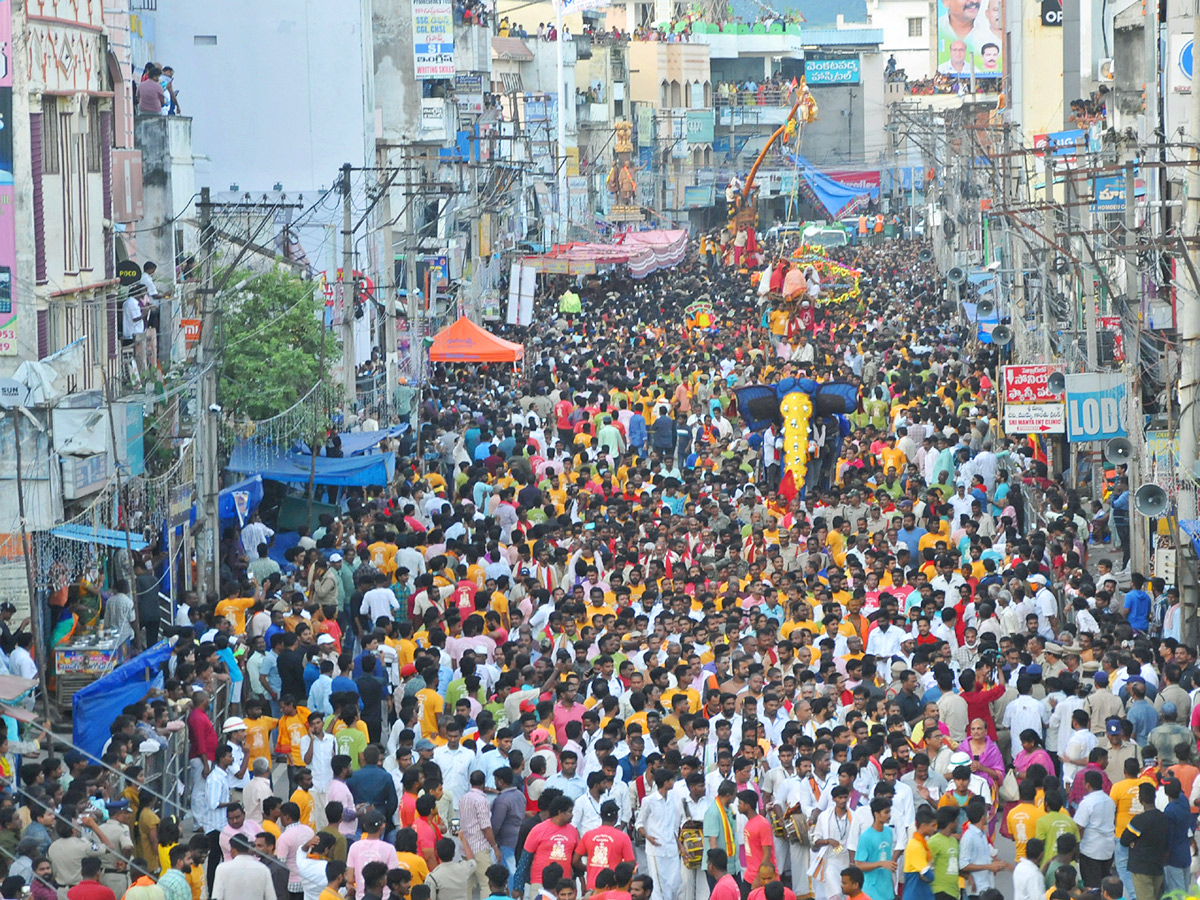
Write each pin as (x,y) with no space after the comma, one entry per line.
(621,183)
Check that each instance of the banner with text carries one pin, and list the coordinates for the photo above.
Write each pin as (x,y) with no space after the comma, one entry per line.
(1095,406)
(433,38)
(823,70)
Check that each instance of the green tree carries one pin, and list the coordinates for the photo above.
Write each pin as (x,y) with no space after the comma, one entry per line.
(270,343)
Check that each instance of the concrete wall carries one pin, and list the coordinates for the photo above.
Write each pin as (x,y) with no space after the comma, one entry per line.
(1035,60)
(277,98)
(912,53)
(395,102)
(168,185)
(651,63)
(839,138)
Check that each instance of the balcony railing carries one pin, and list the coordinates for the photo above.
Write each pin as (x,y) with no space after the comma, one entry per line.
(760,97)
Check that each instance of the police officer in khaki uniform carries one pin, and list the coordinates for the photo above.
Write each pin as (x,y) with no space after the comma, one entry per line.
(114,870)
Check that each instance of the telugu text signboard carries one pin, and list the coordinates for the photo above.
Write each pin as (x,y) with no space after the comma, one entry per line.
(1030,384)
(822,70)
(1109,195)
(433,39)
(1035,418)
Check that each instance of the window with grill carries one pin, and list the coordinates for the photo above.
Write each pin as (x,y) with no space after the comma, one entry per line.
(93,136)
(51,127)
(916,27)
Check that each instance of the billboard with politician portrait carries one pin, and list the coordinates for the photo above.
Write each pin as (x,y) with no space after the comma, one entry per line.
(970,38)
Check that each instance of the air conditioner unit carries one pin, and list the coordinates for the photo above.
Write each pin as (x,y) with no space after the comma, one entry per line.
(1104,70)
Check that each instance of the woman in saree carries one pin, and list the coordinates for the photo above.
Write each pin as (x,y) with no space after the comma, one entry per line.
(1033,750)
(1031,761)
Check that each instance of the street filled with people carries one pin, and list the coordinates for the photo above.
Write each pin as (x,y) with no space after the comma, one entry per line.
(599,639)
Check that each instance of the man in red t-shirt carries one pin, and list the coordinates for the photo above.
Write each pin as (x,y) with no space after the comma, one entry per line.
(428,834)
(760,840)
(979,702)
(725,886)
(90,887)
(604,846)
(554,841)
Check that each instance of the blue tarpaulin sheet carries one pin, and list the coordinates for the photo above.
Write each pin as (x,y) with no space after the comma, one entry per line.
(1191,527)
(227,502)
(95,706)
(358,442)
(294,468)
(107,537)
(837,198)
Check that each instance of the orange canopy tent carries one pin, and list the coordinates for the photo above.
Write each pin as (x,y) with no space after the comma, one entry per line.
(464,341)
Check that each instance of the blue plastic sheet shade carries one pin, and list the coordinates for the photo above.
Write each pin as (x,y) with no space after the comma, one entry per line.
(358,442)
(106,537)
(838,199)
(294,468)
(95,706)
(252,487)
(1191,527)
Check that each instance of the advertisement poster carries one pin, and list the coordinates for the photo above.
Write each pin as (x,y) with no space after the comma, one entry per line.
(970,38)
(1095,406)
(433,39)
(8,224)
(1030,384)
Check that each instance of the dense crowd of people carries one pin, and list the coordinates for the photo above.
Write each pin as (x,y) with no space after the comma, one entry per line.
(593,643)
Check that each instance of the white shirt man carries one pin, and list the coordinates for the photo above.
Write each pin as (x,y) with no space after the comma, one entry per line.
(243,878)
(253,534)
(22,664)
(1028,881)
(378,603)
(1079,745)
(324,748)
(133,322)
(1026,712)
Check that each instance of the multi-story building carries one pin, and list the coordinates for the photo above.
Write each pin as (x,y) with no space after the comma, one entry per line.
(908,34)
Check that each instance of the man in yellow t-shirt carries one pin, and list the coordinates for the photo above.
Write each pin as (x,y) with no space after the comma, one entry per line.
(293,726)
(383,553)
(1023,818)
(234,608)
(303,798)
(258,733)
(430,705)
(1124,794)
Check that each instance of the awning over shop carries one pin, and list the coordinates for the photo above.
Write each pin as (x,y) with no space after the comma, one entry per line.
(643,251)
(106,537)
(464,341)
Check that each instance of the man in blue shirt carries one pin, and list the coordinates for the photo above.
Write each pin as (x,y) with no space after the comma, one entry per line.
(1182,822)
(1120,516)
(637,430)
(1137,604)
(910,535)
(875,851)
(268,673)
